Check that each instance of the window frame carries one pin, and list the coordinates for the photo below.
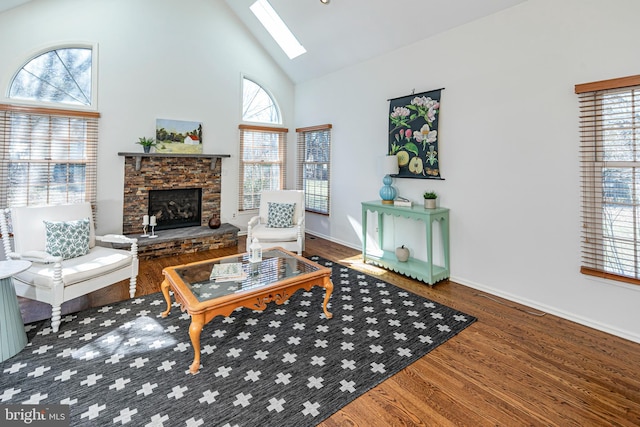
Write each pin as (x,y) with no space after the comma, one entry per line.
(274,103)
(302,163)
(602,235)
(93,47)
(91,123)
(255,129)
(281,162)
(54,112)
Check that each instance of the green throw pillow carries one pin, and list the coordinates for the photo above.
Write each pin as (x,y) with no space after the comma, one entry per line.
(67,239)
(280,215)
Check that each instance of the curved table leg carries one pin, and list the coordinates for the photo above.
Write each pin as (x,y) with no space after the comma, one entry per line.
(165,291)
(328,286)
(197,323)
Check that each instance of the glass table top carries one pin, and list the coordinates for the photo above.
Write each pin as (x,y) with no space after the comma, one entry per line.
(233,275)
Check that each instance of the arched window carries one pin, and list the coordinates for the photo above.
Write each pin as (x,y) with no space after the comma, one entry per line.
(48,156)
(262,148)
(258,105)
(60,76)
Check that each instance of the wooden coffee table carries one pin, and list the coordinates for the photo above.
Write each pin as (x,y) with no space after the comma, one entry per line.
(279,275)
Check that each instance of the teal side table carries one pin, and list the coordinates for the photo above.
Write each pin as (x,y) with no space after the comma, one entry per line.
(13,338)
(425,271)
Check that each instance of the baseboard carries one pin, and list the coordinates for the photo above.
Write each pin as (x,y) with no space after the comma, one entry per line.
(628,335)
(331,239)
(495,292)
(631,336)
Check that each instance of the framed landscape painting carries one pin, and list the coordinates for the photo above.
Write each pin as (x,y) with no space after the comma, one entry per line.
(178,136)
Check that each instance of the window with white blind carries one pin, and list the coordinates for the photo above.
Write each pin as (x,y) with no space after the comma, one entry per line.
(262,163)
(314,167)
(610,178)
(49,157)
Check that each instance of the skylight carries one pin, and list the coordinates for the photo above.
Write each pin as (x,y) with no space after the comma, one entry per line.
(272,22)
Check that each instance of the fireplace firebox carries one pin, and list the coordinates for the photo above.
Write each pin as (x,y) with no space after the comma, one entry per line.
(176,208)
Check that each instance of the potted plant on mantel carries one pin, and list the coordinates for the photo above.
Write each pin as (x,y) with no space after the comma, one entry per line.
(147,143)
(430,199)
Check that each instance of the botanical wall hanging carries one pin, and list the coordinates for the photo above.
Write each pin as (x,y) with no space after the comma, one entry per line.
(413,134)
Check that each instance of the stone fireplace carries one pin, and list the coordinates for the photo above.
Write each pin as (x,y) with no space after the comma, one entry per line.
(146,174)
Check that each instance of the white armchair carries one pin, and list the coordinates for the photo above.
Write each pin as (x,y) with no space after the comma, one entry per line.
(270,230)
(54,279)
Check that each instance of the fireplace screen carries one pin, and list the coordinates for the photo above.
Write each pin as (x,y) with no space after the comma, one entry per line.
(176,208)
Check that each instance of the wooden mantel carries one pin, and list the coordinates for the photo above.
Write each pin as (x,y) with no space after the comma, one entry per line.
(139,156)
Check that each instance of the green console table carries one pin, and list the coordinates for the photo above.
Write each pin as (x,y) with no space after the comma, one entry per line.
(425,271)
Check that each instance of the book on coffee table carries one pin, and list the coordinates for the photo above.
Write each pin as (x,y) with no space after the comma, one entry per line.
(227,272)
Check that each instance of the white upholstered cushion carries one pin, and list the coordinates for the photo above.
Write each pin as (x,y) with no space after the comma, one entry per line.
(269,234)
(99,260)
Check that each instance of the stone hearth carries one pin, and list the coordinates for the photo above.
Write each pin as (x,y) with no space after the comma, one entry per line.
(185,240)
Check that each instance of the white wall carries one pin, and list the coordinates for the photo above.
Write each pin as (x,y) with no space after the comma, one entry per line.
(167,59)
(508,148)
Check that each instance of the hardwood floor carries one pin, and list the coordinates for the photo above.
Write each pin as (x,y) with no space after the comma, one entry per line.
(510,368)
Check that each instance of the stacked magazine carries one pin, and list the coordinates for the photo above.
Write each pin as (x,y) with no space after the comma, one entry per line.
(228,272)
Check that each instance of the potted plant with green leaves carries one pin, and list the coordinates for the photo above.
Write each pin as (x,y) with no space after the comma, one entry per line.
(430,199)
(147,143)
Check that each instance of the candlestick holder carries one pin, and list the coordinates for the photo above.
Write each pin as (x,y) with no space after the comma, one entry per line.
(144,231)
(153,234)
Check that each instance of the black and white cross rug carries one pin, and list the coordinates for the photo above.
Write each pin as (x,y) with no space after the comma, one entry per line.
(123,364)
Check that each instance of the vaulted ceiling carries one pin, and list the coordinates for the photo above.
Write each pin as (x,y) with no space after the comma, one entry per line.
(344,32)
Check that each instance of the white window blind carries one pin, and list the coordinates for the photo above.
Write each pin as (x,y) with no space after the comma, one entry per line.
(313,167)
(262,163)
(48,156)
(610,178)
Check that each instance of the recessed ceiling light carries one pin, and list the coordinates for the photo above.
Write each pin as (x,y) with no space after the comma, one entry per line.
(324,1)
(272,22)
